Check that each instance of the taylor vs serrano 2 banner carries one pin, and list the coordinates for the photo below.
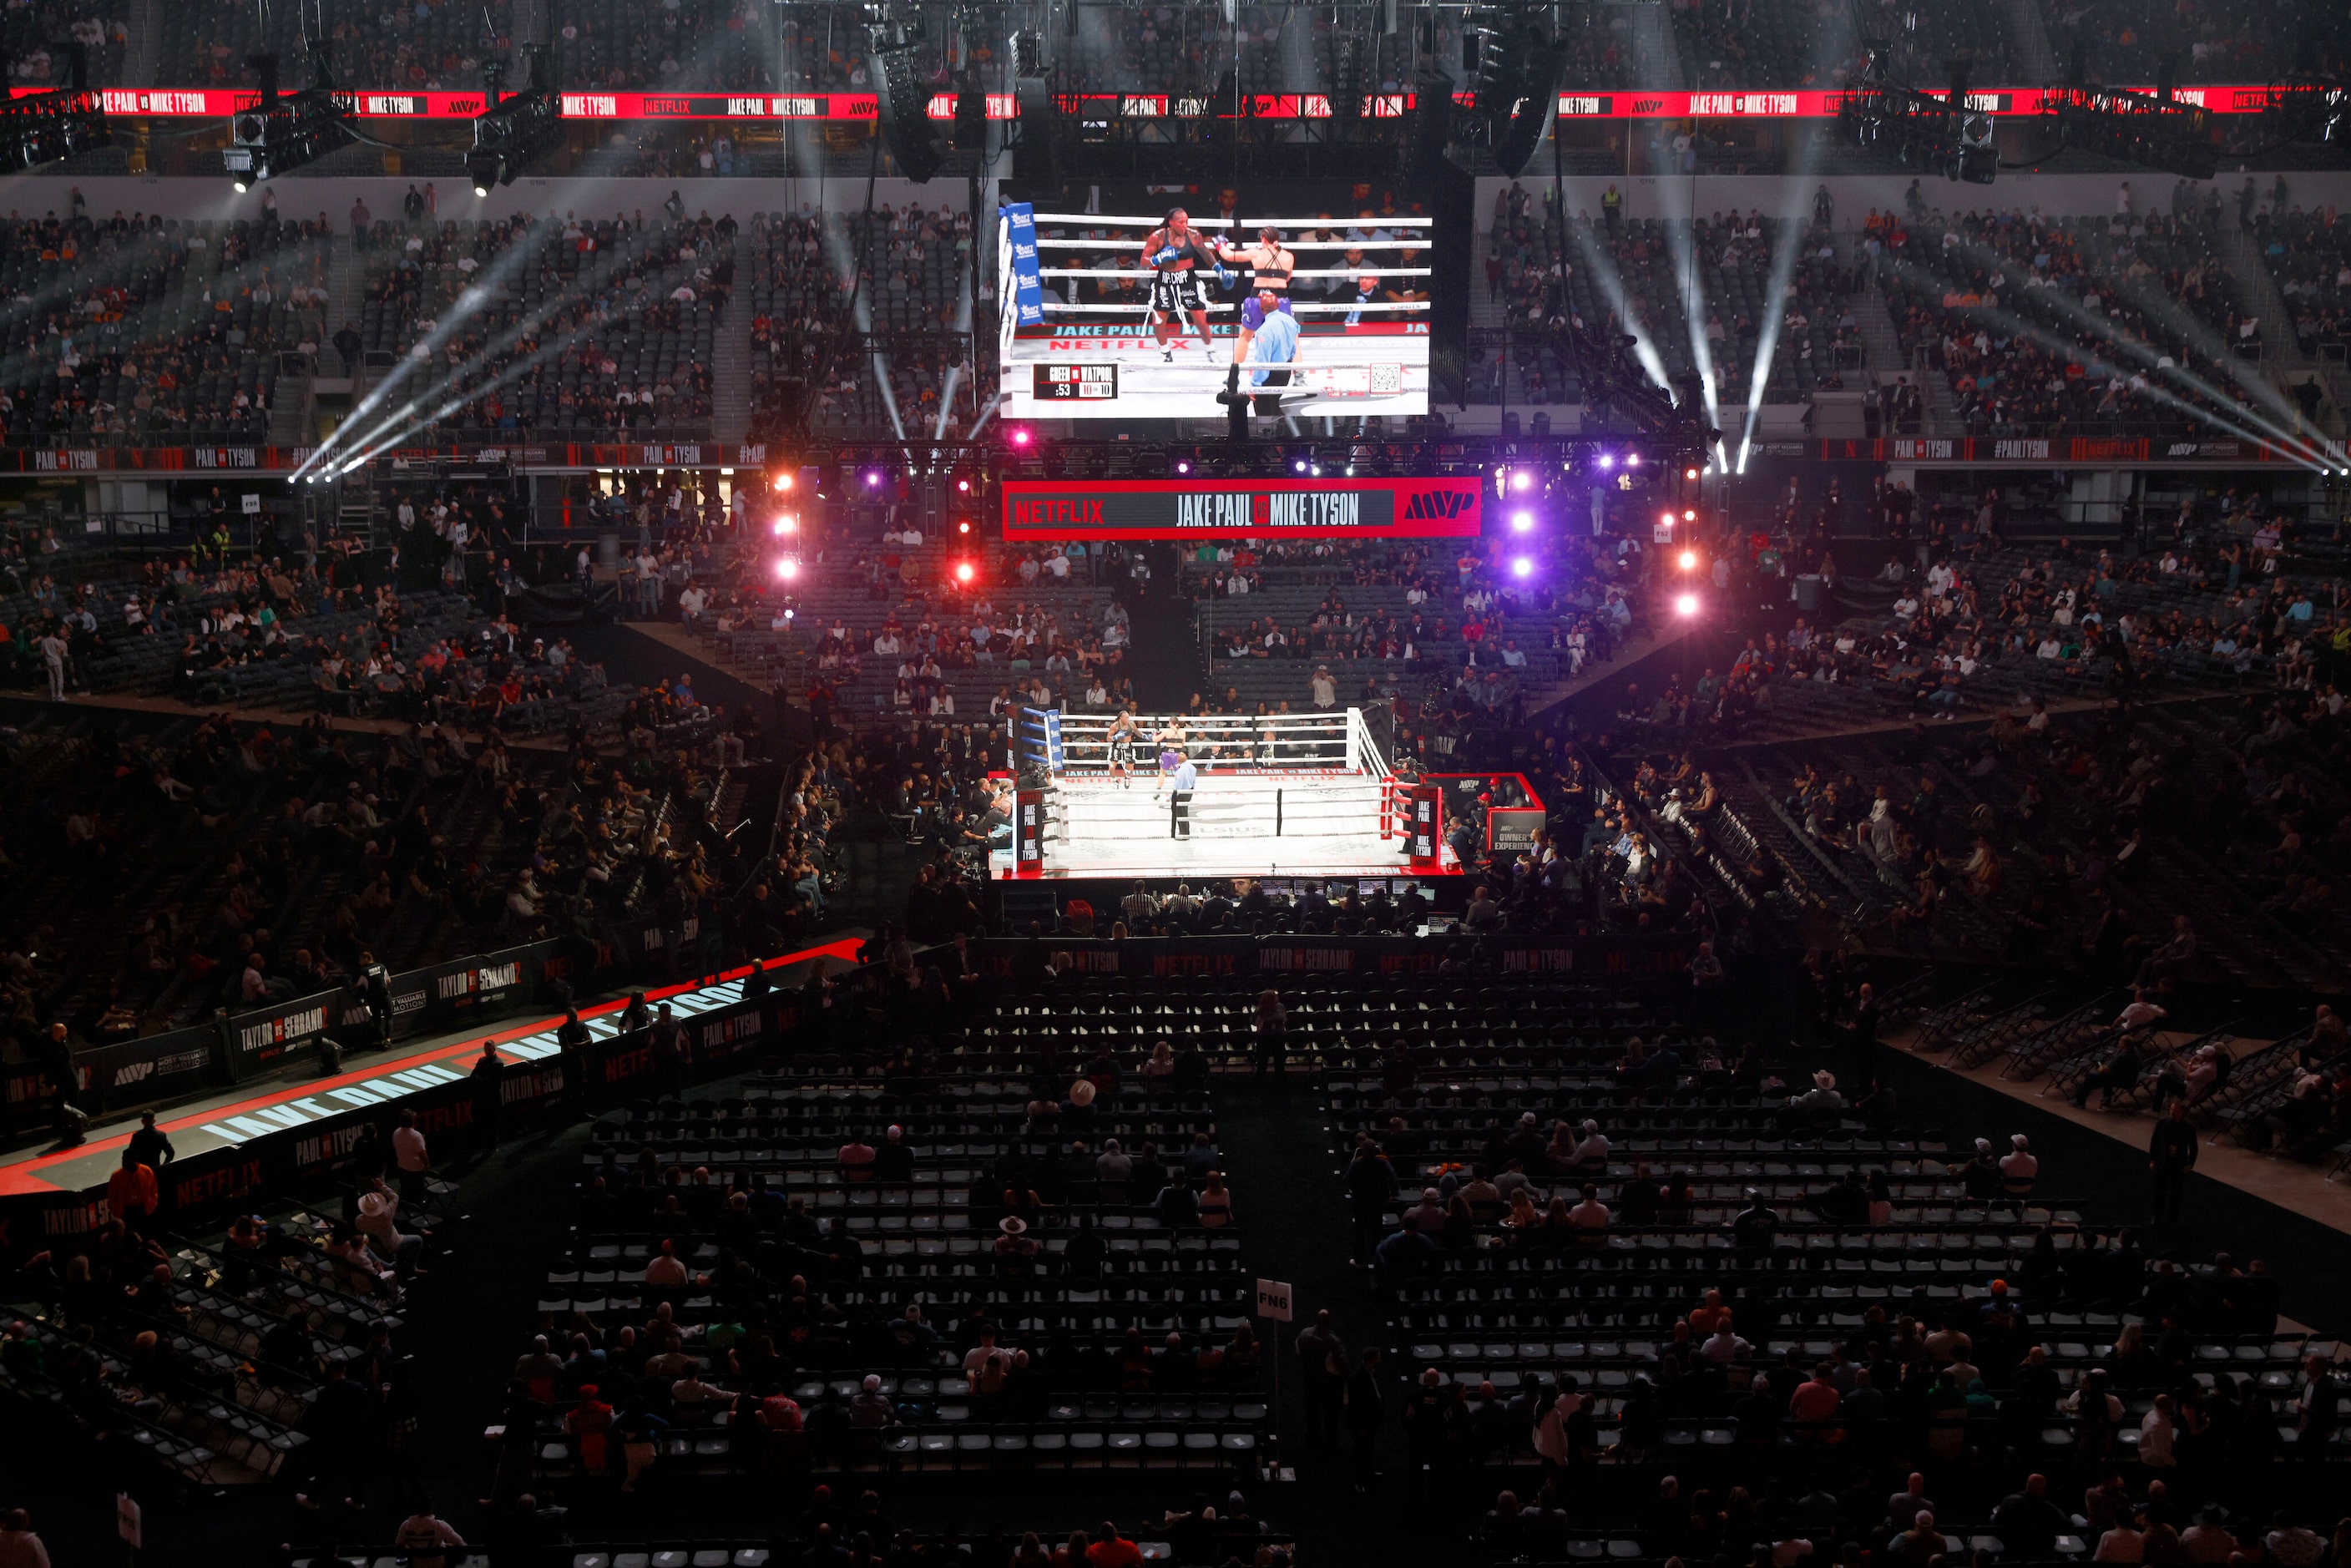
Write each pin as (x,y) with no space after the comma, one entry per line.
(1189,509)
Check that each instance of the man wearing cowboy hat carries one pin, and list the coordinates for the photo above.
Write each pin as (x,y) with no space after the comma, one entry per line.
(1016,1250)
(1822,1095)
(379,1221)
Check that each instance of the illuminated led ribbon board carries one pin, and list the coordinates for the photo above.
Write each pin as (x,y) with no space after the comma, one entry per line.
(1808,103)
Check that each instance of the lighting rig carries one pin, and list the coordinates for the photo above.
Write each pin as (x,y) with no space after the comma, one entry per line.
(45,127)
(2154,129)
(513,133)
(1675,421)
(1941,135)
(894,47)
(970,131)
(1033,163)
(2308,109)
(1514,69)
(282,132)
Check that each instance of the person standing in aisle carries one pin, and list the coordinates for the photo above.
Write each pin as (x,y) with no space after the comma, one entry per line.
(2170,1156)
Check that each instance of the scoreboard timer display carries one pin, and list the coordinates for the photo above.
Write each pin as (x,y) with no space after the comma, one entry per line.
(1075,383)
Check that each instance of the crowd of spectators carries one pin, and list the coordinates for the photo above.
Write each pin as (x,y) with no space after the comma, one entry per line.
(912,296)
(37,35)
(281,857)
(2049,826)
(410,47)
(2128,43)
(145,329)
(2307,257)
(576,328)
(2060,326)
(1451,644)
(1534,294)
(703,45)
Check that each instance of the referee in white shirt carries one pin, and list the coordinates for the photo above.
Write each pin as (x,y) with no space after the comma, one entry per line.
(1179,798)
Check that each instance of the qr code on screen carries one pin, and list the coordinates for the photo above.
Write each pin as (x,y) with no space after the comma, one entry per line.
(1388,378)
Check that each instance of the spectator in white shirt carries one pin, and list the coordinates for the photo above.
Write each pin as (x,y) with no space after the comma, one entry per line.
(2155,1433)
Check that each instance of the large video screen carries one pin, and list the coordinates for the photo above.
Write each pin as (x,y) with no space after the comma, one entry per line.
(1301,298)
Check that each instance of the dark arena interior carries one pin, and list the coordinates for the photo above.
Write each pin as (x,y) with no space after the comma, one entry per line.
(1084,782)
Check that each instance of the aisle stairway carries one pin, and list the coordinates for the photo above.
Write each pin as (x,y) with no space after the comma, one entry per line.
(731,380)
(1166,655)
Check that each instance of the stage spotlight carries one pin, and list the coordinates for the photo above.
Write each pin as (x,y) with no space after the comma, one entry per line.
(964,573)
(786,523)
(1689,560)
(1686,604)
(45,127)
(1522,567)
(281,133)
(1665,519)
(1689,516)
(1182,466)
(1689,473)
(788,568)
(1299,466)
(964,486)
(873,478)
(783,483)
(1632,460)
(515,130)
(964,527)
(1608,461)
(1020,435)
(1522,479)
(1522,521)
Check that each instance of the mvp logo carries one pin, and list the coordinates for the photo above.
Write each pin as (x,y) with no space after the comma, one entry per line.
(1439,504)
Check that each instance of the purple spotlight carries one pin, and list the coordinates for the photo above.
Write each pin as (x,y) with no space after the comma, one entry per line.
(1523,522)
(1183,467)
(1020,435)
(872,477)
(1608,460)
(1299,466)
(1522,567)
(1522,479)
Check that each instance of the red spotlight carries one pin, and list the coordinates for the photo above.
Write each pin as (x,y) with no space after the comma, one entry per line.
(1689,560)
(788,568)
(964,527)
(964,572)
(783,483)
(1686,604)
